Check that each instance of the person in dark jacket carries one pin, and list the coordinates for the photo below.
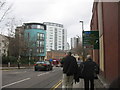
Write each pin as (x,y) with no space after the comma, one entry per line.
(69,70)
(89,71)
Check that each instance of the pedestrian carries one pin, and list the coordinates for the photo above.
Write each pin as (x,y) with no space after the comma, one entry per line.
(79,62)
(89,70)
(18,62)
(69,71)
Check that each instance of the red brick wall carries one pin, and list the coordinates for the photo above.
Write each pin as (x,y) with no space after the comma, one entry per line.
(110,22)
(119,38)
(94,27)
(55,55)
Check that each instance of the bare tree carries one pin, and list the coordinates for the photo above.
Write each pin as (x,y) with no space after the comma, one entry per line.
(80,50)
(29,48)
(4,9)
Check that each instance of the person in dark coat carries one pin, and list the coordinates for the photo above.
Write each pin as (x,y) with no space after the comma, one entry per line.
(69,70)
(89,71)
(79,62)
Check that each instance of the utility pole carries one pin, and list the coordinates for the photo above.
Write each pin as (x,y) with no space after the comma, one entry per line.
(82,40)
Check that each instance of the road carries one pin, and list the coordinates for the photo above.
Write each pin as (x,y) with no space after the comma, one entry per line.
(28,78)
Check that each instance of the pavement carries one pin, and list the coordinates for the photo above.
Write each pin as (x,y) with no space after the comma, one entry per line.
(10,68)
(97,82)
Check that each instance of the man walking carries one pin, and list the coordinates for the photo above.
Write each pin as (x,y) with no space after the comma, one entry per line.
(89,71)
(69,70)
(79,62)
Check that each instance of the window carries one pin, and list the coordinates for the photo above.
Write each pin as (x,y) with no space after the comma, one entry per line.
(38,26)
(40,50)
(42,27)
(51,35)
(50,41)
(40,43)
(59,46)
(34,26)
(47,62)
(40,36)
(37,50)
(51,30)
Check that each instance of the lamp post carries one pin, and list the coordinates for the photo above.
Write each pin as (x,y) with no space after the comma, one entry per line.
(82,40)
(82,25)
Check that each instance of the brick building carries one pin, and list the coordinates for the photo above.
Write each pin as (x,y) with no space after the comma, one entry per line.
(106,19)
(55,54)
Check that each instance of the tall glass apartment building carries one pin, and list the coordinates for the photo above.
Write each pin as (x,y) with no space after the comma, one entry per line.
(56,36)
(35,38)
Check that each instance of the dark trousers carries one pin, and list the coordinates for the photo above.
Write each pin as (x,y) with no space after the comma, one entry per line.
(88,82)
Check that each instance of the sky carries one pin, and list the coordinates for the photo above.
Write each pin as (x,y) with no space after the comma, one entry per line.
(66,12)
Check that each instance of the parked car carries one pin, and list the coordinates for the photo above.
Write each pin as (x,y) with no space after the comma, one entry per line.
(43,65)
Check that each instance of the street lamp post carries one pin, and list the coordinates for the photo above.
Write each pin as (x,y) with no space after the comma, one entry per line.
(82,40)
(82,25)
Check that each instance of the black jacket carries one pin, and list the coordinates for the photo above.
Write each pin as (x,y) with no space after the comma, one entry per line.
(70,66)
(89,69)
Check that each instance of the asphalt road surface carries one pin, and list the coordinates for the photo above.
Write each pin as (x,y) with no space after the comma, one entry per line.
(28,78)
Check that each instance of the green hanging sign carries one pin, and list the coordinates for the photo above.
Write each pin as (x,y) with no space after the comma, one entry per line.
(90,39)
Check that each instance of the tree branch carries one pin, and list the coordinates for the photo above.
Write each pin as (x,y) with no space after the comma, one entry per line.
(5,13)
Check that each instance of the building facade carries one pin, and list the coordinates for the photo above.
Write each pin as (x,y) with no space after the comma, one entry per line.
(68,46)
(35,39)
(75,42)
(19,40)
(55,54)
(56,36)
(4,44)
(106,20)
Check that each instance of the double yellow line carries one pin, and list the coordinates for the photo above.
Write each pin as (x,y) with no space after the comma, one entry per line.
(56,85)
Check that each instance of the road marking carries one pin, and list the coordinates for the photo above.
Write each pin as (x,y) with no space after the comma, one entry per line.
(15,82)
(43,74)
(20,72)
(56,85)
(40,74)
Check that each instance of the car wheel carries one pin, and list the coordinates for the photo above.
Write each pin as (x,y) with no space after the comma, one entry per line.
(51,68)
(46,69)
(35,69)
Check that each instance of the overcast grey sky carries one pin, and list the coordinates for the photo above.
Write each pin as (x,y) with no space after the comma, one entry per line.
(66,12)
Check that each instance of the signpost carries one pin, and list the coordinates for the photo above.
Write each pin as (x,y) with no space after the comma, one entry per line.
(91,39)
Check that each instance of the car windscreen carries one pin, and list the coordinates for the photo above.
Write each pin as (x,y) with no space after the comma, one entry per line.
(47,62)
(40,62)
